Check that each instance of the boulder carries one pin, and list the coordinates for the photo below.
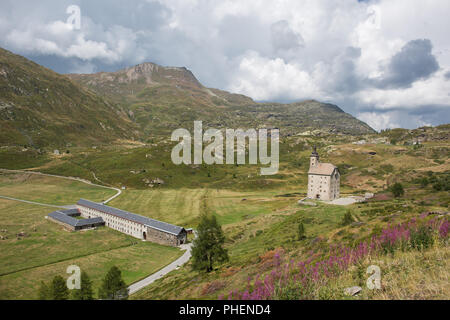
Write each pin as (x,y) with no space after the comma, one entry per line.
(307,203)
(351,291)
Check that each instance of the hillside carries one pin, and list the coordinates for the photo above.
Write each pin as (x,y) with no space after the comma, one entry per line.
(162,99)
(39,107)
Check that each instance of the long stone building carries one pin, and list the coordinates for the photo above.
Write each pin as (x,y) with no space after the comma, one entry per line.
(135,225)
(323,179)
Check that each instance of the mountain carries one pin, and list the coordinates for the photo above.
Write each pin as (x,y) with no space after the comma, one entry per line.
(162,99)
(39,107)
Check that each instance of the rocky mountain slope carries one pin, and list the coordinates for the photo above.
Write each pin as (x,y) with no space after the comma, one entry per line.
(164,98)
(39,107)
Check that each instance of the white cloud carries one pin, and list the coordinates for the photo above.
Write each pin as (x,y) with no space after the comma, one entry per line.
(264,79)
(378,121)
(270,50)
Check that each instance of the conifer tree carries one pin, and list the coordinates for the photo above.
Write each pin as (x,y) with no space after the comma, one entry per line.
(44,292)
(113,287)
(85,292)
(207,248)
(59,290)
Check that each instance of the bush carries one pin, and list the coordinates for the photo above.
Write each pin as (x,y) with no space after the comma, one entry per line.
(422,238)
(301,231)
(397,190)
(347,219)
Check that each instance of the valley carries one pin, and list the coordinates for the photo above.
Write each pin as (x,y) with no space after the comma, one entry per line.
(114,128)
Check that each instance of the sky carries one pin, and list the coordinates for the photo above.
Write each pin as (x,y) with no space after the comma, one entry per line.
(387,62)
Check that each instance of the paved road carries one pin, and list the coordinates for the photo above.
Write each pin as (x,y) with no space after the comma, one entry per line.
(68,178)
(161,273)
(346,200)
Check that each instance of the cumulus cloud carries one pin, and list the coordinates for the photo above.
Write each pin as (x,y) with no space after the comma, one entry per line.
(283,37)
(386,62)
(414,62)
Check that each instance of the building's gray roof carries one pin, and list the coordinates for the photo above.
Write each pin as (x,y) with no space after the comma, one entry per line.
(152,223)
(71,212)
(63,217)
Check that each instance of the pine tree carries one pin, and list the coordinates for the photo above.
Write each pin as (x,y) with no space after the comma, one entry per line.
(44,291)
(59,290)
(207,247)
(85,292)
(113,287)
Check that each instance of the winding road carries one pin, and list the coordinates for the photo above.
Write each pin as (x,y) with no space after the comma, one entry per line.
(161,273)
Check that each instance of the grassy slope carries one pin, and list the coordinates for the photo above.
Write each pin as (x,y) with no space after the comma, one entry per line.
(162,99)
(250,243)
(41,108)
(267,219)
(411,275)
(49,190)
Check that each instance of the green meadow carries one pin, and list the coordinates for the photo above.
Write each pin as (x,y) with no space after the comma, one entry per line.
(45,249)
(49,190)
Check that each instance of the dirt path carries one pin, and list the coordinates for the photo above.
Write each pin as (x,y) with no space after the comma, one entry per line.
(118,191)
(32,202)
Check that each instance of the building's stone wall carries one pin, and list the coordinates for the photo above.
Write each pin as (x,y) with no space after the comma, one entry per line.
(323,186)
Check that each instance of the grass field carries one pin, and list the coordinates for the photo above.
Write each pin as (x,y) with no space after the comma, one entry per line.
(49,190)
(184,206)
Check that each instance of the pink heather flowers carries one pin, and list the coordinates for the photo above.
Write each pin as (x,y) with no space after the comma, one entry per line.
(321,266)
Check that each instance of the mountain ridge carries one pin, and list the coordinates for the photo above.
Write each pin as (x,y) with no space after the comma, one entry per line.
(148,87)
(39,107)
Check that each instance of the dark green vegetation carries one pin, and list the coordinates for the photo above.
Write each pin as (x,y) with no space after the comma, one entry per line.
(113,287)
(397,189)
(85,292)
(301,231)
(207,249)
(56,290)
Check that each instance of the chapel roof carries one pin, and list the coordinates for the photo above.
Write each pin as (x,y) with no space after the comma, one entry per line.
(322,169)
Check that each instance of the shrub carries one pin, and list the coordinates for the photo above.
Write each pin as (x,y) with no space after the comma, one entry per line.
(301,231)
(422,238)
(397,190)
(347,219)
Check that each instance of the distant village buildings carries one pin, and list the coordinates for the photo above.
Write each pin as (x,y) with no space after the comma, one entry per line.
(323,179)
(135,225)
